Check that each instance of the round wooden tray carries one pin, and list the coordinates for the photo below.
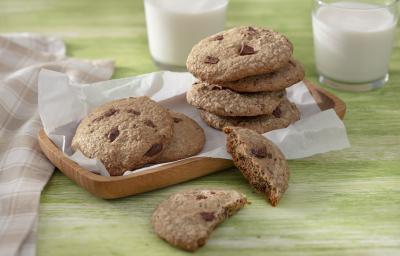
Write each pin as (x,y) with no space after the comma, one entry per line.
(169,174)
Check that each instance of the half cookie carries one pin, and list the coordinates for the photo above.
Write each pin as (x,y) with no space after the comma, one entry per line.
(260,161)
(284,115)
(285,77)
(225,102)
(188,139)
(186,219)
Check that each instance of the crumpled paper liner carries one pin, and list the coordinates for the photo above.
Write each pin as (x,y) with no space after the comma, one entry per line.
(63,103)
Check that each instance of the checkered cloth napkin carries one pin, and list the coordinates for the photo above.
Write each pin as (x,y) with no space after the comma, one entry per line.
(24,170)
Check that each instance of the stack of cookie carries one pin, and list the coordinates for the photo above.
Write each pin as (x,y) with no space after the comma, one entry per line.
(243,73)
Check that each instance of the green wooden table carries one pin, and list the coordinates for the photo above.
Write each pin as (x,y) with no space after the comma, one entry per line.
(340,203)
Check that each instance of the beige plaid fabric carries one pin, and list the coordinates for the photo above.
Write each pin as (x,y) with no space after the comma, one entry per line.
(24,170)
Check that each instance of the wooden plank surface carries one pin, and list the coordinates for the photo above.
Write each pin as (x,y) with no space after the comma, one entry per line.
(340,203)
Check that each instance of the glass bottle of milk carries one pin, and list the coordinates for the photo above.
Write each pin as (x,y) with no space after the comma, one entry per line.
(353,41)
(174,26)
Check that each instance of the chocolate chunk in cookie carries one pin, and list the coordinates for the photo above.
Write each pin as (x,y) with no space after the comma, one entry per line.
(113,134)
(211,60)
(154,150)
(246,50)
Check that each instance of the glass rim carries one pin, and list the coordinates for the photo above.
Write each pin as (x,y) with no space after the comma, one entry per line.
(380,6)
(222,5)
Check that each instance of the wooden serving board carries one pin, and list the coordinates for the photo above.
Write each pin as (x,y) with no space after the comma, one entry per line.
(169,174)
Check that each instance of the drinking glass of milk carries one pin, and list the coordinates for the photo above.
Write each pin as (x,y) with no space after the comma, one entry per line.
(353,41)
(174,26)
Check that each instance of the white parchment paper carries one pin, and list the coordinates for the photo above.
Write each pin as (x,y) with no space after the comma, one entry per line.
(63,103)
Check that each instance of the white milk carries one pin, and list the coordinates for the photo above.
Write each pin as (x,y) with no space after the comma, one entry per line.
(353,45)
(174,26)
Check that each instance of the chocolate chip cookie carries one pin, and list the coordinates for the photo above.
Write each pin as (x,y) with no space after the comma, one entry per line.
(188,139)
(186,219)
(260,161)
(124,134)
(237,53)
(284,115)
(285,77)
(225,102)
